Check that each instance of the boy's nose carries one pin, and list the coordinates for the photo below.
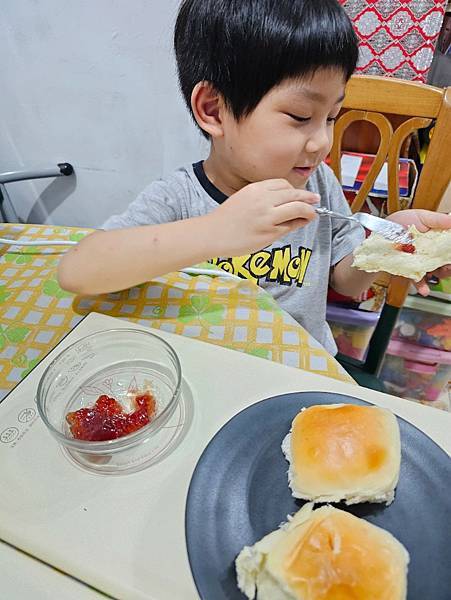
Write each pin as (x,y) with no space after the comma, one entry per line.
(319,141)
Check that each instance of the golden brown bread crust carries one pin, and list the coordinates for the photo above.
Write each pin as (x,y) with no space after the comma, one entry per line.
(344,452)
(324,554)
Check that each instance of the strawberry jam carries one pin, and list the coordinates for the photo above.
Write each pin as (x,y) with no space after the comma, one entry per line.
(408,248)
(106,420)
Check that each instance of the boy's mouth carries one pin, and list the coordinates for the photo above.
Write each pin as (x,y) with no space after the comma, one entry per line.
(304,171)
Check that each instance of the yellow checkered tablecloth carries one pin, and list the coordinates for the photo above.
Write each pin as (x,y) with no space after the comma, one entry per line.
(35,313)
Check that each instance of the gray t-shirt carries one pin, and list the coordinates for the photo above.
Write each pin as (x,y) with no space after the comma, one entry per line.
(294,270)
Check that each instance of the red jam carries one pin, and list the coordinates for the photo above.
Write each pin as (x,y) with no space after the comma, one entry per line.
(408,248)
(106,420)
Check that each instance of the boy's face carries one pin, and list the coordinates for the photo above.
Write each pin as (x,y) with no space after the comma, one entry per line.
(287,135)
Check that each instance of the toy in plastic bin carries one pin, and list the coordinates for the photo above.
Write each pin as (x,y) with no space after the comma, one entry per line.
(352,329)
(426,322)
(415,372)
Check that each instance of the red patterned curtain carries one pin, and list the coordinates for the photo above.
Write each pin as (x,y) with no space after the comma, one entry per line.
(397,37)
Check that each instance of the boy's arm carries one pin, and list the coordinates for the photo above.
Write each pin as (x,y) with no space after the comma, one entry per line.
(109,261)
(348,281)
(251,219)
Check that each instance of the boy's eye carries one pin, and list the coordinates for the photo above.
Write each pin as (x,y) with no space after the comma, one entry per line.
(298,118)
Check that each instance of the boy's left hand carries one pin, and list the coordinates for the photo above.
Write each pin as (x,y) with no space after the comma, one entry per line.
(424,220)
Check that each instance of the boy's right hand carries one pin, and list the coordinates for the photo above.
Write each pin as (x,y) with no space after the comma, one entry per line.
(259,214)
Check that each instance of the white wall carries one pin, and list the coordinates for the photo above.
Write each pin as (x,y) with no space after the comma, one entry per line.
(93,83)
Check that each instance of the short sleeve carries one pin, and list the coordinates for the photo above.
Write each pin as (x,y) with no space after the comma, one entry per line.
(346,235)
(160,202)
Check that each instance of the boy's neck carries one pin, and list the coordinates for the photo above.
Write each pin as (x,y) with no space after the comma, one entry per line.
(221,174)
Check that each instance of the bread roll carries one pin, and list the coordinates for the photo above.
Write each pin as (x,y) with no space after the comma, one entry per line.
(343,452)
(324,554)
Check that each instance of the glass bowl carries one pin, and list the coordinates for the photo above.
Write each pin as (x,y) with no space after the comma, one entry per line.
(119,363)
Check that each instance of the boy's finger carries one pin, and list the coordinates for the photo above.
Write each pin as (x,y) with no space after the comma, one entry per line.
(422,287)
(294,210)
(434,220)
(277,184)
(440,273)
(432,280)
(294,195)
(296,224)
(290,226)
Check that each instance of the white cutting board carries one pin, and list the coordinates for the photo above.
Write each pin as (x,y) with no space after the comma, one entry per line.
(125,535)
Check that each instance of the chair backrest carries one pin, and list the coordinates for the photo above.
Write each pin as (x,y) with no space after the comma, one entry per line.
(376,100)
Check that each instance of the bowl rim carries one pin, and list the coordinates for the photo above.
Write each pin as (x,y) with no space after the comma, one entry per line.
(131,439)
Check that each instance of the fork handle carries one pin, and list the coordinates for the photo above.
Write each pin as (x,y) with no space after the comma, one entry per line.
(330,213)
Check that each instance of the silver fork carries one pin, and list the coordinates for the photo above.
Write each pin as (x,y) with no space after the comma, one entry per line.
(394,232)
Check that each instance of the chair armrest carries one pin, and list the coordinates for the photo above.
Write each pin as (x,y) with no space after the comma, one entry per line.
(58,171)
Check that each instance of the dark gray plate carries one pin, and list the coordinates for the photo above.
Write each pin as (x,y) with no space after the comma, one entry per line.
(239,493)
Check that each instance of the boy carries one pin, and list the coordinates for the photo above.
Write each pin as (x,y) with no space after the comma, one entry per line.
(264,81)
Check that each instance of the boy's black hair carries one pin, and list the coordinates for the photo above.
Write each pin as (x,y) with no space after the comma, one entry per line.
(246,47)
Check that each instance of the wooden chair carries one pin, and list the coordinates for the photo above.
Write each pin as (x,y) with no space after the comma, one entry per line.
(382,101)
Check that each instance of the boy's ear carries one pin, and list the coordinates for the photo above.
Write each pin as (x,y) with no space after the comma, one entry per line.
(207,105)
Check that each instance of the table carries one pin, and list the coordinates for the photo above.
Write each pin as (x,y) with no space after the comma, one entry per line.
(229,382)
(25,578)
(35,313)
